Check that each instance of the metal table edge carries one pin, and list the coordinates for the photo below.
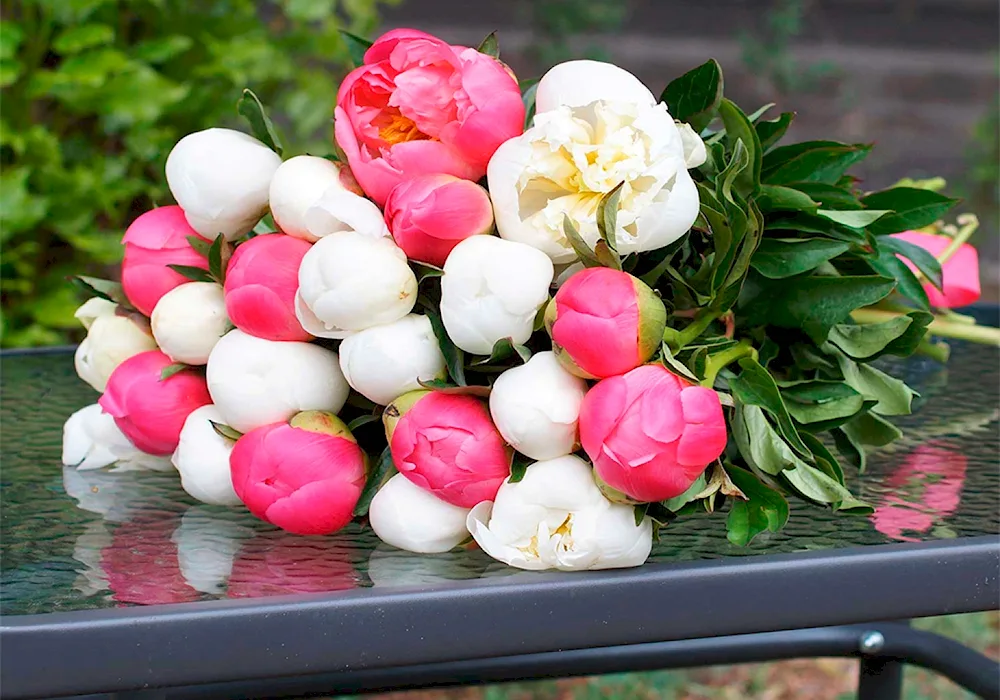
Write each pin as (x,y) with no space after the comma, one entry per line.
(218,641)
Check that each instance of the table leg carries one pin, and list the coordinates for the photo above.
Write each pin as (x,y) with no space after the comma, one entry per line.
(880,679)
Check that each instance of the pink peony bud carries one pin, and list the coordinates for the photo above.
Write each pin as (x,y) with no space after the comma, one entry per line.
(431,214)
(447,444)
(151,411)
(261,281)
(304,476)
(604,322)
(650,433)
(156,239)
(959,273)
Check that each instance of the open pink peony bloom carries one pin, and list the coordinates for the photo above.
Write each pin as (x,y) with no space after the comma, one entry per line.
(419,106)
(261,281)
(154,240)
(431,214)
(305,479)
(604,322)
(149,410)
(650,433)
(959,274)
(447,444)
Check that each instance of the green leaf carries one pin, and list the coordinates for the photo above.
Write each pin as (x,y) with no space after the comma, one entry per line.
(777,197)
(810,223)
(384,470)
(694,96)
(606,256)
(200,245)
(362,420)
(219,254)
(195,274)
(739,128)
(490,46)
(912,208)
(778,258)
(760,112)
(519,467)
(226,431)
(927,264)
(824,460)
(897,336)
(356,47)
(672,363)
(607,216)
(812,161)
(503,349)
(171,370)
(821,401)
(755,386)
(104,289)
(162,49)
(811,483)
(857,218)
(454,358)
(425,271)
(907,283)
(814,304)
(764,509)
(829,196)
(79,38)
(443,387)
(528,97)
(639,513)
(770,132)
(850,449)
(587,256)
(677,502)
(893,396)
(871,429)
(251,109)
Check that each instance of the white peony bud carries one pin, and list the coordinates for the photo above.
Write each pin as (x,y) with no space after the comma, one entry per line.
(536,406)
(349,281)
(221,179)
(202,458)
(406,516)
(557,518)
(254,382)
(207,543)
(695,153)
(189,320)
(492,289)
(92,440)
(309,201)
(111,339)
(385,362)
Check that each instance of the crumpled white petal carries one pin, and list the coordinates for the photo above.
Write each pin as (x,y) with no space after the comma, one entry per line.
(91,440)
(695,153)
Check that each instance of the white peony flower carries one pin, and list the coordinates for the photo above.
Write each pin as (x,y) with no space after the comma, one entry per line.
(189,320)
(406,516)
(221,179)
(492,289)
(536,406)
(349,281)
(310,201)
(385,362)
(254,382)
(111,339)
(594,130)
(92,440)
(557,518)
(207,543)
(202,458)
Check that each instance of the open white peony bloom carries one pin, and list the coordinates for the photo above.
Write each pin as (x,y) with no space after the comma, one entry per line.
(385,362)
(536,407)
(492,289)
(189,320)
(309,200)
(111,339)
(202,458)
(254,381)
(596,126)
(557,518)
(349,281)
(406,516)
(221,179)
(91,440)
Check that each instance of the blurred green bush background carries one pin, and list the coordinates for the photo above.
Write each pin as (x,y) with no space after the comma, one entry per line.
(96,92)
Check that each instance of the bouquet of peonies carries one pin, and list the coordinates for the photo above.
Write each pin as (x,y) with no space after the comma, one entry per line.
(551,315)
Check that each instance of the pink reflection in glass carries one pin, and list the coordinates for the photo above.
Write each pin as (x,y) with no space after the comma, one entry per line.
(280,563)
(141,563)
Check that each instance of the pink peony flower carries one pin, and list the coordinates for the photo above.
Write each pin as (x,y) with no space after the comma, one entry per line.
(926,488)
(959,274)
(277,563)
(154,240)
(604,322)
(420,106)
(431,214)
(149,410)
(304,476)
(261,281)
(447,444)
(650,433)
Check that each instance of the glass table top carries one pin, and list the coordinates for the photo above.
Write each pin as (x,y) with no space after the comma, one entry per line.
(74,540)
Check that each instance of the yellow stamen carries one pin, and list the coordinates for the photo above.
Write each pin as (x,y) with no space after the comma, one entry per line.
(400,129)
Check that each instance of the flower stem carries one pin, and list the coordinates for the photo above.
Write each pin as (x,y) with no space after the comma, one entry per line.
(936,351)
(971,223)
(693,330)
(986,335)
(715,363)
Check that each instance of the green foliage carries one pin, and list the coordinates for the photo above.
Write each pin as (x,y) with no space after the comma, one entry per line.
(96,92)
